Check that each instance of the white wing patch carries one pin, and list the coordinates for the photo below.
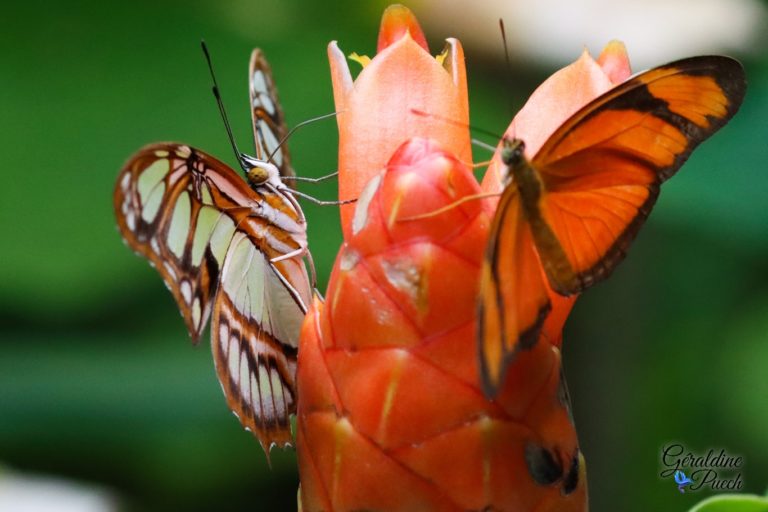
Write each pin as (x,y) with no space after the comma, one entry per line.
(177,233)
(221,237)
(153,202)
(260,93)
(259,294)
(271,143)
(150,177)
(207,219)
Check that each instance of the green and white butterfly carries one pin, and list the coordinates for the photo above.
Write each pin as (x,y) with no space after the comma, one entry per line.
(231,249)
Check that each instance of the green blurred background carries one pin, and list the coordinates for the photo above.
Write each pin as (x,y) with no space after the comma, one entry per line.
(98,382)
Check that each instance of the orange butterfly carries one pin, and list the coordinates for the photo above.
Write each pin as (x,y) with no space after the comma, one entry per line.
(575,207)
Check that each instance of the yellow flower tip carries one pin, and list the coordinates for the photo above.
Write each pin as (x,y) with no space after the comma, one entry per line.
(614,60)
(440,58)
(397,22)
(363,60)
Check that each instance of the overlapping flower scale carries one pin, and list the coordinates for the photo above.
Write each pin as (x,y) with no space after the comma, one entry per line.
(391,416)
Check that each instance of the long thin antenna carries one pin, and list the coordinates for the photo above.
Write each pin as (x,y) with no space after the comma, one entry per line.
(217,95)
(483,145)
(456,123)
(506,56)
(290,132)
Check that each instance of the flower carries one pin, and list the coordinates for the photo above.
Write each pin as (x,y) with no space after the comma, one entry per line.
(375,111)
(391,415)
(386,373)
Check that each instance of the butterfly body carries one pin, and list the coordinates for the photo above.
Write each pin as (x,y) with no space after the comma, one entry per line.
(569,213)
(530,188)
(231,250)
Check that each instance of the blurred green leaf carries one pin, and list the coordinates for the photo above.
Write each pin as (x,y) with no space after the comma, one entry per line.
(732,503)
(97,381)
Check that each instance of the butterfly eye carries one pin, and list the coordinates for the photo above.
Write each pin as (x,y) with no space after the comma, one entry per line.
(257,175)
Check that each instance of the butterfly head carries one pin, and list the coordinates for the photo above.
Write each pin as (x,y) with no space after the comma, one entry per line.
(512,152)
(512,155)
(258,171)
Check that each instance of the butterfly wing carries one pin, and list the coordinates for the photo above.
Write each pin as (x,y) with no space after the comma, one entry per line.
(513,300)
(166,212)
(212,238)
(601,172)
(603,167)
(269,126)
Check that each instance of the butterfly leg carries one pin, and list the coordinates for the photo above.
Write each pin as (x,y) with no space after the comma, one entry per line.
(300,252)
(309,180)
(288,286)
(320,202)
(312,271)
(449,207)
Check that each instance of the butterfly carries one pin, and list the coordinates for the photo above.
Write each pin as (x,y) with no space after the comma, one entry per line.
(568,215)
(232,251)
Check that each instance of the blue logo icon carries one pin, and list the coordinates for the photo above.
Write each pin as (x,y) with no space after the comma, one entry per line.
(681,480)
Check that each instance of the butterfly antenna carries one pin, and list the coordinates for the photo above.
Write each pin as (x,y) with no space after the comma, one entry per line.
(507,59)
(222,111)
(484,145)
(456,123)
(292,130)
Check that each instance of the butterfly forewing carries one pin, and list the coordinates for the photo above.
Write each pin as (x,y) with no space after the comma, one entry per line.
(603,167)
(213,240)
(165,210)
(267,117)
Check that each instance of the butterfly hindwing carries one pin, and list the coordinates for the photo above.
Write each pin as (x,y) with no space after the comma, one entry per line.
(213,239)
(511,281)
(267,116)
(255,336)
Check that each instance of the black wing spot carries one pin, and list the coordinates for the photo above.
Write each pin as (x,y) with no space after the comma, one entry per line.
(571,480)
(543,466)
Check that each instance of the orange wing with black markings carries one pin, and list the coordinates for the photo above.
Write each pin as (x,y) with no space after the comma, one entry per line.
(588,190)
(509,309)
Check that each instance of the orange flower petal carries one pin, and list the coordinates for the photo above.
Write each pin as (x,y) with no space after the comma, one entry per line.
(615,61)
(551,104)
(358,475)
(376,111)
(396,22)
(321,395)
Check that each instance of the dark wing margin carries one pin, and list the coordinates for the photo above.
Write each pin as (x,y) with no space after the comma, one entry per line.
(603,167)
(513,301)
